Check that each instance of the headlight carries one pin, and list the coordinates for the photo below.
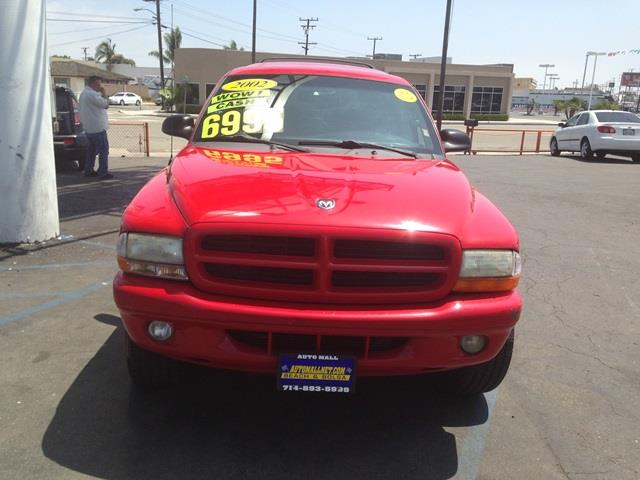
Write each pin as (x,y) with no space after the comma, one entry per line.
(151,255)
(489,271)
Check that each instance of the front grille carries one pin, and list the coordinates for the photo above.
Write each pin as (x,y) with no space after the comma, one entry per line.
(248,273)
(346,279)
(260,244)
(322,265)
(387,250)
(360,346)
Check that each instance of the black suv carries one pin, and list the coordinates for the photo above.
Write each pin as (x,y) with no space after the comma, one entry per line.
(69,139)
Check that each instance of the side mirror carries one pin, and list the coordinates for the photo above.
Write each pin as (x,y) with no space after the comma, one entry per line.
(562,124)
(455,140)
(178,126)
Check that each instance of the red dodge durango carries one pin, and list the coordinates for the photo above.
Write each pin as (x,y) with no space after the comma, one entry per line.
(313,229)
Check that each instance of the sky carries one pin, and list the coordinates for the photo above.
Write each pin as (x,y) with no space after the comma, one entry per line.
(525,34)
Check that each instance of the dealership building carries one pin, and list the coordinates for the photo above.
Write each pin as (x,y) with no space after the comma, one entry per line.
(469,89)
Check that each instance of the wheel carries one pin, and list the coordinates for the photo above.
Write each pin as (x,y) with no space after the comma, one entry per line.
(481,378)
(553,147)
(148,369)
(635,158)
(585,149)
(601,155)
(121,102)
(138,103)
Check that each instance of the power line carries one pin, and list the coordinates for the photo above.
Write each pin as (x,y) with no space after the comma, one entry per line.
(70,14)
(375,40)
(99,36)
(76,20)
(306,27)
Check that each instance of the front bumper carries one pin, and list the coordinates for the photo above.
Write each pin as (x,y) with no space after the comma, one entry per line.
(201,323)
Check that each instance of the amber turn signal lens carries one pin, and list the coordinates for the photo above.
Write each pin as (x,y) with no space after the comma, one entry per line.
(486,284)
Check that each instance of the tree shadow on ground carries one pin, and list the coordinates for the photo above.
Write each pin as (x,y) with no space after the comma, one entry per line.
(220,425)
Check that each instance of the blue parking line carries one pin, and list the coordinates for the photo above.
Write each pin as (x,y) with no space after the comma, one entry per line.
(470,456)
(46,266)
(67,297)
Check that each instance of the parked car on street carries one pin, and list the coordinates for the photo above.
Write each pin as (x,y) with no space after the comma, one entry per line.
(314,229)
(599,132)
(69,139)
(125,98)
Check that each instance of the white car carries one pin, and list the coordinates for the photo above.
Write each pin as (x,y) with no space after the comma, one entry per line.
(599,132)
(125,98)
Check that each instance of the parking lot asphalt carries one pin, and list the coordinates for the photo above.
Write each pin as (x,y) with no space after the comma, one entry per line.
(567,409)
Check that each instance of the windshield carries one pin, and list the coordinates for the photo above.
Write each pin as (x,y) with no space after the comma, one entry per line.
(622,117)
(294,109)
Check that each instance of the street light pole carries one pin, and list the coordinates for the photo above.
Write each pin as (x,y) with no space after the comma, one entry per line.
(546,67)
(584,74)
(593,75)
(443,65)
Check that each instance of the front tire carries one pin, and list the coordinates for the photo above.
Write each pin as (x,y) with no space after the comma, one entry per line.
(148,369)
(138,103)
(585,149)
(482,378)
(122,102)
(553,147)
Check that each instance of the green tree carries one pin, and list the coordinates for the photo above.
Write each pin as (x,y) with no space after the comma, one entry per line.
(606,105)
(571,106)
(172,40)
(233,46)
(106,53)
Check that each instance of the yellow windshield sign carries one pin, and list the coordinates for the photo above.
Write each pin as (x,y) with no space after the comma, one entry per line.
(249,85)
(405,95)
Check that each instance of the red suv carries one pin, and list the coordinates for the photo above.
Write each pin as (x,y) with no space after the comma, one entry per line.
(313,229)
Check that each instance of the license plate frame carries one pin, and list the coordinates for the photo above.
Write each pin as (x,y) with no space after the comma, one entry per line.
(628,131)
(317,373)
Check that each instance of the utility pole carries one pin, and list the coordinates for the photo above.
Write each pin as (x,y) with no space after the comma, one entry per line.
(415,55)
(253,32)
(443,64)
(306,27)
(375,40)
(160,49)
(29,210)
(546,67)
(84,49)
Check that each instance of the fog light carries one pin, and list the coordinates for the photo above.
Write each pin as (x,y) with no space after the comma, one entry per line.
(160,331)
(473,343)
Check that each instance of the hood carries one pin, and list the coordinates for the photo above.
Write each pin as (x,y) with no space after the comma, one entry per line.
(213,185)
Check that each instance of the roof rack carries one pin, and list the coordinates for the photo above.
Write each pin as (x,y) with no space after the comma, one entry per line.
(317,59)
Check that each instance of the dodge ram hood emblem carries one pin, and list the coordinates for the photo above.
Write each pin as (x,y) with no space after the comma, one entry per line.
(326,203)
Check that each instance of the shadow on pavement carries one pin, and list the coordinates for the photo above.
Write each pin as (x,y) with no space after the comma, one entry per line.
(218,425)
(79,196)
(607,159)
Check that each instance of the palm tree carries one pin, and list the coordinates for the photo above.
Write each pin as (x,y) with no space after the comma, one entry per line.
(106,53)
(172,40)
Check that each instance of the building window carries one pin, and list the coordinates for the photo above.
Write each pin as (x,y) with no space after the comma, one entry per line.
(422,90)
(208,87)
(486,100)
(62,82)
(192,93)
(453,99)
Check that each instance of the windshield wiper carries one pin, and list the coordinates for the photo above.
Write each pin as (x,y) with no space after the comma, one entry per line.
(250,139)
(350,144)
